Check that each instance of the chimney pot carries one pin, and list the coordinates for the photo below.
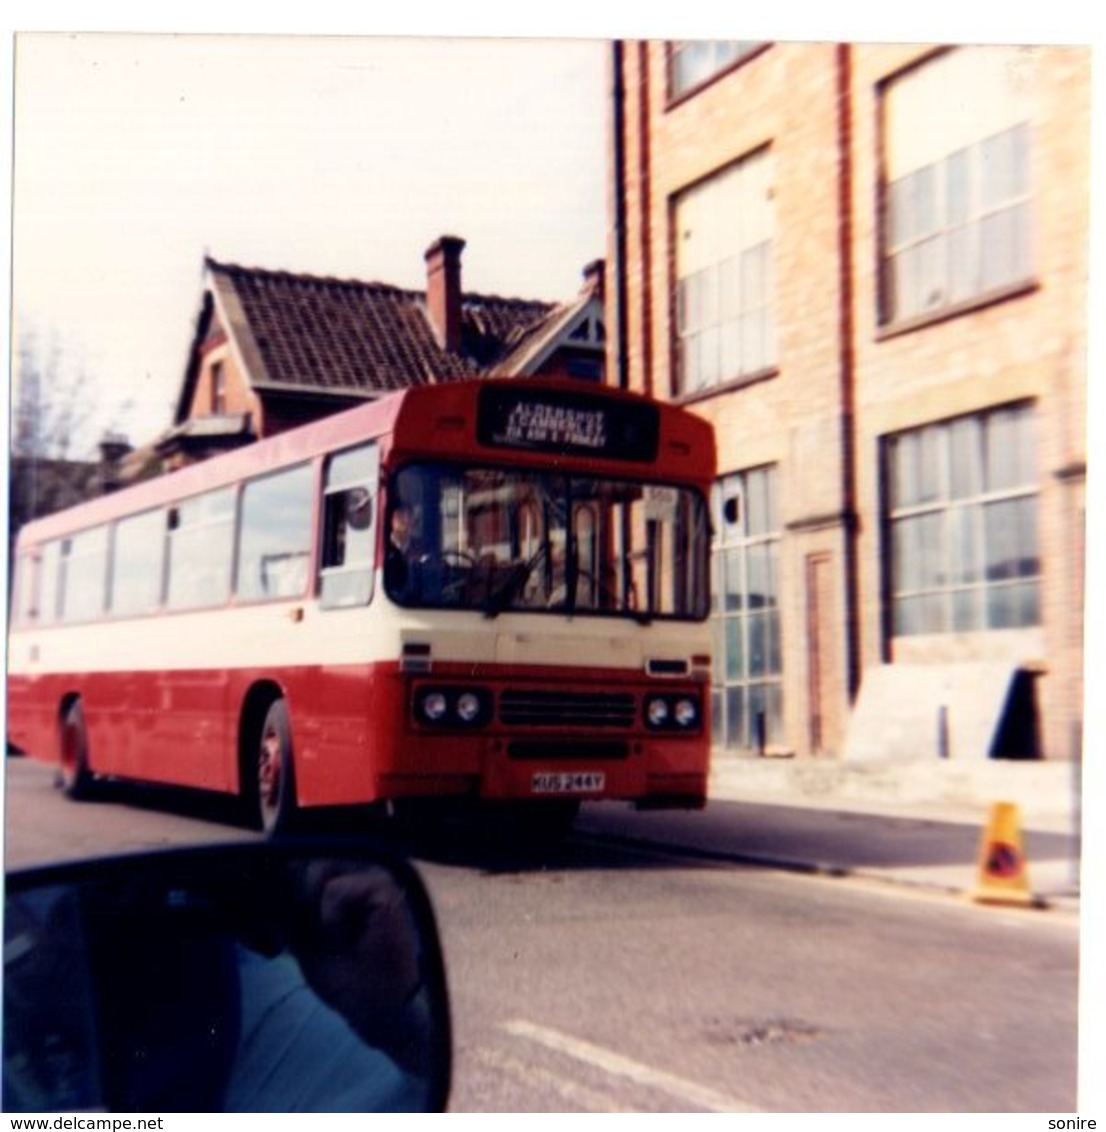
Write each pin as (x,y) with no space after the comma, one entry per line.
(594,274)
(113,449)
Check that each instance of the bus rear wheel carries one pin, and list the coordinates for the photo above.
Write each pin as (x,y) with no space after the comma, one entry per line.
(275,782)
(74,776)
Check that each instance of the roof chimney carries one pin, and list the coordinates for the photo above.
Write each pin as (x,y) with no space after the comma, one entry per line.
(594,274)
(113,450)
(443,290)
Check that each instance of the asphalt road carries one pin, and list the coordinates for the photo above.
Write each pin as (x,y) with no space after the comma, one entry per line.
(607,976)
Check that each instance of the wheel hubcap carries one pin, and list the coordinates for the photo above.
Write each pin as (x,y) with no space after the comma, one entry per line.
(269,770)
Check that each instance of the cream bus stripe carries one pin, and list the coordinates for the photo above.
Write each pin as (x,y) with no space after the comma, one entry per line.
(270,636)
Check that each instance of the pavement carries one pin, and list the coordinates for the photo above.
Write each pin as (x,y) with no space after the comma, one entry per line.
(922,825)
(912,824)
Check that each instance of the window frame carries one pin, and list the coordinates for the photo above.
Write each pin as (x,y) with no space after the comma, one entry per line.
(327,534)
(173,532)
(962,598)
(100,556)
(753,304)
(305,468)
(948,228)
(677,93)
(48,598)
(161,520)
(218,378)
(25,586)
(736,542)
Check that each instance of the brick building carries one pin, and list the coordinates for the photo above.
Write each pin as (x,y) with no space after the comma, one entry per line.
(867,267)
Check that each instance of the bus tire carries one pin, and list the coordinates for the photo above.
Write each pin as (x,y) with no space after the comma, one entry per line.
(75,779)
(275,782)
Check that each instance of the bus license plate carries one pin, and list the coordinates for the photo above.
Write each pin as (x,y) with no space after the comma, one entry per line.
(569,782)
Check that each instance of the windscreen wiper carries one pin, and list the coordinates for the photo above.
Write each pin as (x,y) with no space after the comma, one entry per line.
(512,585)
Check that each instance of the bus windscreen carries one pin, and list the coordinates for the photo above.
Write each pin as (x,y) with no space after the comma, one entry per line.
(496,539)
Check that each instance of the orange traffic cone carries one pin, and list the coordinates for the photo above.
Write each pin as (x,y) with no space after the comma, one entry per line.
(1003,875)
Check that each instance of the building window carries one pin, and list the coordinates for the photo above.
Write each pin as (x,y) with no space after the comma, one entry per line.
(957,151)
(693,61)
(725,288)
(748,663)
(218,388)
(963,499)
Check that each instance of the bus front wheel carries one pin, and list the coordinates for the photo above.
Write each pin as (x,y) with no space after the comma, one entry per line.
(74,776)
(275,781)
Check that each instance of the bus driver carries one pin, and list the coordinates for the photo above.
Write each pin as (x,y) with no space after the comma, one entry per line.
(400,552)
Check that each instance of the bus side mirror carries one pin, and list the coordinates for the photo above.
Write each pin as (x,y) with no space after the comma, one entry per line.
(253,977)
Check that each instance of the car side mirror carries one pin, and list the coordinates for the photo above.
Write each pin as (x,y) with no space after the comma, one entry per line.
(252,977)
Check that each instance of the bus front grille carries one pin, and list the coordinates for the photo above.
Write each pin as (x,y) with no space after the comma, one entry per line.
(550,750)
(527,708)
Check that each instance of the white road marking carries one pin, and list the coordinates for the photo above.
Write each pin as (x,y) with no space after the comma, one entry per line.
(589,1100)
(617,1065)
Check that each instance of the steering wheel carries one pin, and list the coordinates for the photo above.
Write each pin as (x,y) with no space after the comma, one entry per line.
(457,564)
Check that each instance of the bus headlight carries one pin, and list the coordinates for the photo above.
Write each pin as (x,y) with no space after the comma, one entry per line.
(469,707)
(686,713)
(433,706)
(672,712)
(444,706)
(656,712)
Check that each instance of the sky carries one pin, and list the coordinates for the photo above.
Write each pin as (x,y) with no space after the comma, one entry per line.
(135,155)
(316,145)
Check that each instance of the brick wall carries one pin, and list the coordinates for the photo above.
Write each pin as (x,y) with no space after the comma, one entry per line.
(803,101)
(239,397)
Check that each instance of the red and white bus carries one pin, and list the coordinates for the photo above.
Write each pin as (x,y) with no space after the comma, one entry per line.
(488,589)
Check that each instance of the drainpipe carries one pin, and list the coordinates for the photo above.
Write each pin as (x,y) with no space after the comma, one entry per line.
(618,128)
(847,331)
(645,192)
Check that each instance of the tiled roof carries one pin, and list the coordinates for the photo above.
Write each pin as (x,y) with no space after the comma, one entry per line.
(540,338)
(343,335)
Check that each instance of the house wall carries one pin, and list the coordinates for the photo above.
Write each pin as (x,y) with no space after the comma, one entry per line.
(841,383)
(279,414)
(239,397)
(576,365)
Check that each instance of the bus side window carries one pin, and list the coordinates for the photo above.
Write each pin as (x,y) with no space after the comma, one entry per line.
(350,497)
(48,584)
(274,535)
(138,564)
(200,550)
(83,575)
(24,585)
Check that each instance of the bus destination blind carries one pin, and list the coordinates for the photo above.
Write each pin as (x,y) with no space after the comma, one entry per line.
(565,422)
